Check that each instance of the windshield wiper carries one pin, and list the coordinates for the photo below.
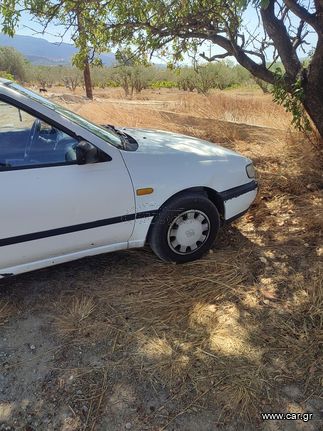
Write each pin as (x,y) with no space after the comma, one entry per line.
(122,136)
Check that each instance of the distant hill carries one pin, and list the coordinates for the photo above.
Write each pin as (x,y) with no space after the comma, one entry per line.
(40,51)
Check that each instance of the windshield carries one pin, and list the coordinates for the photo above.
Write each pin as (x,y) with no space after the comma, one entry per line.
(105,134)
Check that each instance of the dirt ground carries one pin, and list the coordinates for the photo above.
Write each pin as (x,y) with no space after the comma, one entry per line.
(123,341)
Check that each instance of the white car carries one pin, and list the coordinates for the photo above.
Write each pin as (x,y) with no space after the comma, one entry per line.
(70,188)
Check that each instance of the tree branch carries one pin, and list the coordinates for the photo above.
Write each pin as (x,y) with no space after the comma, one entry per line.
(299,39)
(259,70)
(215,57)
(279,35)
(302,13)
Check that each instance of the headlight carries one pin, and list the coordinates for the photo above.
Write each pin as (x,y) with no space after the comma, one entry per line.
(251,172)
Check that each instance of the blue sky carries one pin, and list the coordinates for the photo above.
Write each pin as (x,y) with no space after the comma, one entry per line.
(28,27)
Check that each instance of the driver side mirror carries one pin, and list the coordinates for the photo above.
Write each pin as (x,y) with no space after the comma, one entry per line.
(87,153)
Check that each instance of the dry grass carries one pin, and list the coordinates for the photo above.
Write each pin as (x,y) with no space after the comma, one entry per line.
(314,292)
(248,106)
(238,107)
(5,312)
(252,108)
(193,332)
(74,316)
(197,333)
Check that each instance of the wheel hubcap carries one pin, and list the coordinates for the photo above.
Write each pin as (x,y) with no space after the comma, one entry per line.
(188,232)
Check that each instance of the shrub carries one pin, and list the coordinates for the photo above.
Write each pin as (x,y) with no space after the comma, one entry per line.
(12,62)
(6,75)
(157,85)
(133,78)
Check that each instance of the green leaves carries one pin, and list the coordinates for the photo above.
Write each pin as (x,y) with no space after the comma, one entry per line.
(13,63)
(10,15)
(6,75)
(130,57)
(292,100)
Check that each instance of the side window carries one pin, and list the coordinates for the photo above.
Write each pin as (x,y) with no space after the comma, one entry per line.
(26,141)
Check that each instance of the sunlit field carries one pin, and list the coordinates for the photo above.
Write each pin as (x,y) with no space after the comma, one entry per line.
(244,105)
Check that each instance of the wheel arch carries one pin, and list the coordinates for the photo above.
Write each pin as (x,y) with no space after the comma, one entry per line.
(212,195)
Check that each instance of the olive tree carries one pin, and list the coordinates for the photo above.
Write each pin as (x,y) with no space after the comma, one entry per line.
(132,78)
(186,79)
(12,62)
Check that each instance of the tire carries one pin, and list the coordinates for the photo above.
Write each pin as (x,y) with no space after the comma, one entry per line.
(185,228)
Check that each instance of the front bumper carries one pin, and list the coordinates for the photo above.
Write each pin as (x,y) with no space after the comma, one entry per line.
(238,200)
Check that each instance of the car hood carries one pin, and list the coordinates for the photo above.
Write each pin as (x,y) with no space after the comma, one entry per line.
(159,142)
(170,162)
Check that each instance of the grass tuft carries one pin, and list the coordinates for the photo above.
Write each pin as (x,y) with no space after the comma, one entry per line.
(74,316)
(5,312)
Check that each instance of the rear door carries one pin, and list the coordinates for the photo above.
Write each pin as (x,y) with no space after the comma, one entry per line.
(50,206)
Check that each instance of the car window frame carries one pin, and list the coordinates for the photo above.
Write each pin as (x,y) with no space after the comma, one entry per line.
(36,114)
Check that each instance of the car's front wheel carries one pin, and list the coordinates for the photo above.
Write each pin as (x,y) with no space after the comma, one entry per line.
(185,228)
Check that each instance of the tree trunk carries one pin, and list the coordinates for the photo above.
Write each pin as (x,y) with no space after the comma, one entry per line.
(313,88)
(86,69)
(313,105)
(125,86)
(87,80)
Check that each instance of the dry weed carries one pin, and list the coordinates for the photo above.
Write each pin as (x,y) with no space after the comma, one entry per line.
(234,106)
(188,328)
(311,292)
(74,316)
(5,312)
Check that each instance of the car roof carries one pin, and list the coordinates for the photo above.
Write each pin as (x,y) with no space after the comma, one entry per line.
(4,81)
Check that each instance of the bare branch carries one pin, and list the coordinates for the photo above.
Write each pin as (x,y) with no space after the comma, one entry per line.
(215,57)
(299,39)
(302,13)
(279,35)
(259,70)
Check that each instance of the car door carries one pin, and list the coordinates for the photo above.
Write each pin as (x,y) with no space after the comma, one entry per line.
(50,205)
